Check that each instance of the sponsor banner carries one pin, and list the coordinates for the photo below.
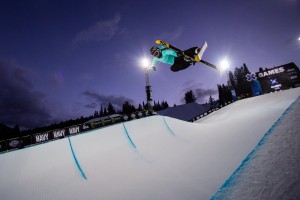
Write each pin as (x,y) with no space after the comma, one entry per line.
(125,117)
(3,146)
(42,137)
(86,127)
(270,72)
(73,130)
(279,78)
(140,115)
(17,143)
(14,143)
(59,133)
(133,116)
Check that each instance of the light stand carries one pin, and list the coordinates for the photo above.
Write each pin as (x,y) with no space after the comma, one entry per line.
(148,89)
(145,64)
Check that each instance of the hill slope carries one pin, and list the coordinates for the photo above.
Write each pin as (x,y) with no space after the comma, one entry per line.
(151,158)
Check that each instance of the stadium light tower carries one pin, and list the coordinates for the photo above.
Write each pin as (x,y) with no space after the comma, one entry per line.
(145,64)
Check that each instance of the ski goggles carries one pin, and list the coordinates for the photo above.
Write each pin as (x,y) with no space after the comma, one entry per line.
(157,53)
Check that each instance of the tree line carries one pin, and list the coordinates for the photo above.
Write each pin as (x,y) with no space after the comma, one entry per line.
(237,82)
(127,108)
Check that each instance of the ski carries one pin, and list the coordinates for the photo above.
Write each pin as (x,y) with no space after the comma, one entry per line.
(196,59)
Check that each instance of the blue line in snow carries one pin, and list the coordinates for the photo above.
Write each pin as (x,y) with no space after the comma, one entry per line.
(76,161)
(230,180)
(128,137)
(170,130)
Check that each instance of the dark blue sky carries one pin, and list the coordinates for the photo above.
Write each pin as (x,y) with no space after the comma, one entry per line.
(63,59)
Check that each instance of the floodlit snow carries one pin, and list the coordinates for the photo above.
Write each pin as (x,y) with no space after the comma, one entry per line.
(272,170)
(160,158)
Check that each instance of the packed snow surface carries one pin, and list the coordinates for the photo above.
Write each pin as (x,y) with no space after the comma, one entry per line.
(272,169)
(152,158)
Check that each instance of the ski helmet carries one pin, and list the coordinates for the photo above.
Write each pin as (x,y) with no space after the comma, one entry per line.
(155,51)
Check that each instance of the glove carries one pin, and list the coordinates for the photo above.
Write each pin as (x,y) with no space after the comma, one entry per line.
(153,68)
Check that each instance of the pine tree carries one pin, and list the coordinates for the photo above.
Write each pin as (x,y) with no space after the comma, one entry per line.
(190,97)
(211,101)
(164,105)
(239,82)
(232,80)
(101,114)
(110,109)
(96,114)
(247,85)
(105,113)
(246,70)
(239,77)
(127,108)
(158,106)
(221,98)
(140,107)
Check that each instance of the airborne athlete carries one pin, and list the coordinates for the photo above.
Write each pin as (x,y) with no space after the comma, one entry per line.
(178,59)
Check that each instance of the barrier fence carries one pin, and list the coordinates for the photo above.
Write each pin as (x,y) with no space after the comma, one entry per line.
(210,111)
(39,138)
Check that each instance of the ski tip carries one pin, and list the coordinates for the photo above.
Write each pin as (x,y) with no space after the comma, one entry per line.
(162,43)
(158,41)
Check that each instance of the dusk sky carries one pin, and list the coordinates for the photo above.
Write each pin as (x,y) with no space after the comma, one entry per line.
(64,59)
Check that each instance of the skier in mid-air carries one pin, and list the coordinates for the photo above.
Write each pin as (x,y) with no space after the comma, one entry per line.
(174,58)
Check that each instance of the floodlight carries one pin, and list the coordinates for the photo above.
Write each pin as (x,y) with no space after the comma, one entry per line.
(224,65)
(145,62)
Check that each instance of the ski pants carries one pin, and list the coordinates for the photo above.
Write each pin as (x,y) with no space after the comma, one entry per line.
(180,63)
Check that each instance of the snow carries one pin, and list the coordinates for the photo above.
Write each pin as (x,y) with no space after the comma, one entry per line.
(272,170)
(165,158)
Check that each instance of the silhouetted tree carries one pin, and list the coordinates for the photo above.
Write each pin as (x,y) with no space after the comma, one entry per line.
(225,95)
(157,106)
(105,113)
(239,82)
(164,105)
(190,97)
(232,80)
(96,114)
(110,109)
(140,107)
(211,102)
(127,108)
(101,114)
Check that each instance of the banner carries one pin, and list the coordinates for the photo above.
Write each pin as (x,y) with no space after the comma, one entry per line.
(14,143)
(73,130)
(18,143)
(42,137)
(59,133)
(279,78)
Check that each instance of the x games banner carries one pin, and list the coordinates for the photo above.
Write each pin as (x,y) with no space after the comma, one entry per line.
(279,78)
